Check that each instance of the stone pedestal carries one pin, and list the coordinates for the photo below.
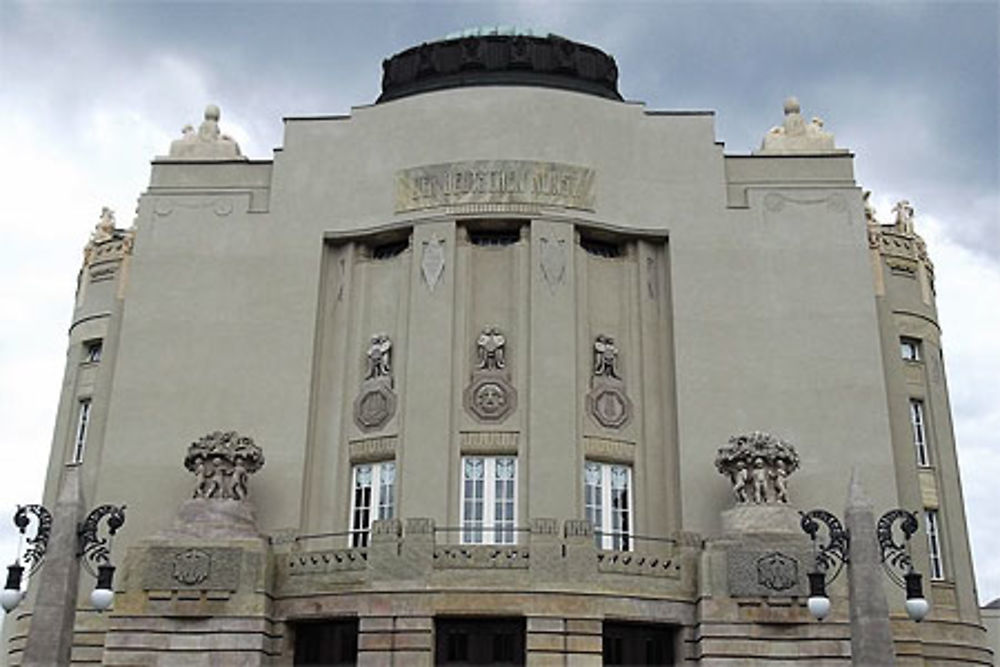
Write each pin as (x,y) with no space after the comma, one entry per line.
(763,519)
(196,593)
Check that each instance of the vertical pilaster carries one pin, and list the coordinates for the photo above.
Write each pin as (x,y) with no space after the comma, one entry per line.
(552,396)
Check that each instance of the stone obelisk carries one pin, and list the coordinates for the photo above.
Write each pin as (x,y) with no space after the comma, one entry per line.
(871,634)
(50,636)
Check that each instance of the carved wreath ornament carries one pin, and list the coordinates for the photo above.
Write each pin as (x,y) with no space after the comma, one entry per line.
(758,465)
(223,463)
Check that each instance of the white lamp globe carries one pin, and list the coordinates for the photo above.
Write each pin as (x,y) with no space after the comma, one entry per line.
(102,598)
(10,598)
(819,607)
(917,608)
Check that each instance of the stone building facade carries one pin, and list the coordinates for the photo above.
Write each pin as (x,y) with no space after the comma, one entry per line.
(450,376)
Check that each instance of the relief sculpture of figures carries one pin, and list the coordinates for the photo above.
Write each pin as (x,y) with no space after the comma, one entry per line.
(757,465)
(490,349)
(607,401)
(222,463)
(379,357)
(490,397)
(606,357)
(376,402)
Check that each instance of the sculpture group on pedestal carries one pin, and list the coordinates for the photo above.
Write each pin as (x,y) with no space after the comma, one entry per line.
(208,142)
(758,465)
(223,463)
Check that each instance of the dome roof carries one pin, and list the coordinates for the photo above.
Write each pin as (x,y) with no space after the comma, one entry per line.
(499,58)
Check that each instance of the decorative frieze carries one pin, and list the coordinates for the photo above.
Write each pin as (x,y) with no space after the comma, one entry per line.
(372,449)
(488,442)
(607,449)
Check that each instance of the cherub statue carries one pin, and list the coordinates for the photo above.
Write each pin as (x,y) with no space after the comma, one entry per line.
(779,478)
(759,481)
(606,357)
(740,477)
(208,482)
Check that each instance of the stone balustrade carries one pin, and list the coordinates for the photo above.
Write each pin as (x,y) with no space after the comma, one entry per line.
(413,553)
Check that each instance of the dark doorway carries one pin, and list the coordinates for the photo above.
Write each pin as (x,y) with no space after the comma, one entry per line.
(638,643)
(326,643)
(479,641)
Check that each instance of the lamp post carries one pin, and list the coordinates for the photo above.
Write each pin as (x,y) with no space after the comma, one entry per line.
(64,539)
(863,546)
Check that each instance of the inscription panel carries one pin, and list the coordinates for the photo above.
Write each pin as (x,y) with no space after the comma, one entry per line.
(513,182)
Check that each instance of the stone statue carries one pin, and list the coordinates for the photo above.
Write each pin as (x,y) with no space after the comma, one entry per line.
(740,477)
(105,228)
(779,480)
(869,208)
(379,357)
(904,216)
(491,349)
(606,357)
(758,464)
(207,143)
(794,135)
(222,463)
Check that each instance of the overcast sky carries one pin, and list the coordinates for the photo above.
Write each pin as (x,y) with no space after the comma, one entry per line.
(90,92)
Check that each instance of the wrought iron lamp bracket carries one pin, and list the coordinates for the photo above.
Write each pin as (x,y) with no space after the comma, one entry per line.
(833,552)
(92,548)
(896,559)
(39,543)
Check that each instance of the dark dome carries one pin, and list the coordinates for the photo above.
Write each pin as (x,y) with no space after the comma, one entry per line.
(500,60)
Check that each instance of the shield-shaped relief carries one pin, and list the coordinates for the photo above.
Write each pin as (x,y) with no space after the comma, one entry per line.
(553,252)
(432,262)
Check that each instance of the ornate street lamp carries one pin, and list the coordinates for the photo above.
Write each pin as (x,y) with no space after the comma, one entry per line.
(92,549)
(833,553)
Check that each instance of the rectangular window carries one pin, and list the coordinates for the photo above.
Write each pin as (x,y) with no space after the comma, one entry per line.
(638,643)
(372,498)
(82,421)
(479,641)
(92,351)
(909,348)
(607,494)
(328,642)
(934,545)
(919,432)
(489,499)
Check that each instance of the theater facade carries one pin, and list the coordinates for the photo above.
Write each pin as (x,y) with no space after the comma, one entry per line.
(504,369)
